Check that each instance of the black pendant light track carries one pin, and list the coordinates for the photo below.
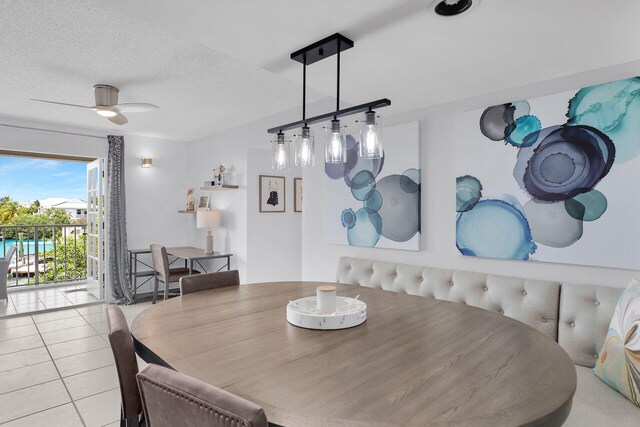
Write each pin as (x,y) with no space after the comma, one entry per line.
(315,52)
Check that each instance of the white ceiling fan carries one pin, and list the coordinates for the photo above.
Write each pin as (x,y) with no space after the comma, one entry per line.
(107,104)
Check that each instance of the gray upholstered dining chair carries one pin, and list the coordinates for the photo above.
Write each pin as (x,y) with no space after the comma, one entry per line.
(171,399)
(127,366)
(162,272)
(4,270)
(202,282)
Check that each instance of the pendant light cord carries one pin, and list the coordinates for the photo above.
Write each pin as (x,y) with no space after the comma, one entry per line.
(304,88)
(338,83)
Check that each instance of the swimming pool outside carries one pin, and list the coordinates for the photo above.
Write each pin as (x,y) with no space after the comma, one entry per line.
(28,245)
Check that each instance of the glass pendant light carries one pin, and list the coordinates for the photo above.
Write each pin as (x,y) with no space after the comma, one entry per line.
(305,149)
(370,144)
(280,155)
(335,148)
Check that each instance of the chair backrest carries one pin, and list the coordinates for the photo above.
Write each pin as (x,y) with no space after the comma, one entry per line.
(173,399)
(202,282)
(160,260)
(10,253)
(126,363)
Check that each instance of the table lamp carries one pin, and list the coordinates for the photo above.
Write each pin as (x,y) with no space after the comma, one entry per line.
(208,219)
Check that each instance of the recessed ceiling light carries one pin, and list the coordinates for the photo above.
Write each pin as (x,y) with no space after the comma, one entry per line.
(449,8)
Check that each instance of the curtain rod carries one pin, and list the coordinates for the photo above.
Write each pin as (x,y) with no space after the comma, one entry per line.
(53,131)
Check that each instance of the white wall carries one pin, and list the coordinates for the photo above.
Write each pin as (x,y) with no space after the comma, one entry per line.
(319,259)
(274,240)
(260,252)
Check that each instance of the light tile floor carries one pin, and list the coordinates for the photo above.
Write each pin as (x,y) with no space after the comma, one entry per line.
(56,369)
(33,299)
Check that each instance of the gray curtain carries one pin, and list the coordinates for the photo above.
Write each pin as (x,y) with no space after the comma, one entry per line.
(117,224)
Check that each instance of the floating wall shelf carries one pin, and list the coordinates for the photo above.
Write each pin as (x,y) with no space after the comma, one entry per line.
(220,188)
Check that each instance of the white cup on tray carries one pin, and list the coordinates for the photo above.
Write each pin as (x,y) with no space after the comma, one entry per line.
(326,298)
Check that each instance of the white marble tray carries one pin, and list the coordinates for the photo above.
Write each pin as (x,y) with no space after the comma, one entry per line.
(303,312)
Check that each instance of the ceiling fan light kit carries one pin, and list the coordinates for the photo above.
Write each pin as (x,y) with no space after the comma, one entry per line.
(106,97)
(335,143)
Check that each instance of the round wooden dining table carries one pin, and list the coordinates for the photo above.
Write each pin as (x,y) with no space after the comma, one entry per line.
(415,361)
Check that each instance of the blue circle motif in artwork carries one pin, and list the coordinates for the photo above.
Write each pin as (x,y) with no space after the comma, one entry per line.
(348,218)
(362,184)
(587,206)
(363,228)
(373,202)
(524,131)
(468,192)
(494,229)
(612,108)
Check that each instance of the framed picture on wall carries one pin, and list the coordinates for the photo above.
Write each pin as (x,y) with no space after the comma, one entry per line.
(203,200)
(297,194)
(272,193)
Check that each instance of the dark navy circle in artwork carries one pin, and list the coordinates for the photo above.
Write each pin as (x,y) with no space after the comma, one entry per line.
(564,161)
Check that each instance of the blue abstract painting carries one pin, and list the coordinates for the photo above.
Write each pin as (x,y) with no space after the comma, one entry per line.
(552,178)
(376,203)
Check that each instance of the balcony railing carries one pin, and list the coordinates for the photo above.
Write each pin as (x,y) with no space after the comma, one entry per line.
(45,253)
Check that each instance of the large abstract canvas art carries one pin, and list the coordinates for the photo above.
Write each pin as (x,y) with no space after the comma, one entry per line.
(553,178)
(376,203)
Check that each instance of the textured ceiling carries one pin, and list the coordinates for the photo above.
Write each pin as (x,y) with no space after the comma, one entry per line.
(404,51)
(58,50)
(211,65)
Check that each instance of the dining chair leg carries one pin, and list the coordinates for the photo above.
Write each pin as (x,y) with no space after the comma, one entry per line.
(155,289)
(166,289)
(134,422)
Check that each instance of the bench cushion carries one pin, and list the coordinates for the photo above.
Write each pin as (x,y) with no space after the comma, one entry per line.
(596,404)
(533,302)
(585,314)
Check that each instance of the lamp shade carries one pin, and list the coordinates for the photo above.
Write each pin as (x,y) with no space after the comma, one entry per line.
(208,219)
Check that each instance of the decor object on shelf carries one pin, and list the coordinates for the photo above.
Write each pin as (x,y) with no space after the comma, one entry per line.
(619,361)
(145,162)
(376,202)
(191,200)
(208,219)
(557,183)
(272,193)
(107,106)
(217,176)
(297,194)
(203,200)
(335,144)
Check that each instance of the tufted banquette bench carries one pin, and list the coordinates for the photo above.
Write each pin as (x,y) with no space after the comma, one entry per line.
(576,316)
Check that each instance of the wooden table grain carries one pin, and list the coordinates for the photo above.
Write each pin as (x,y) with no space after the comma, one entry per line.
(415,361)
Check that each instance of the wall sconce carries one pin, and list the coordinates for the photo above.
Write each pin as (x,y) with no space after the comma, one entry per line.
(145,162)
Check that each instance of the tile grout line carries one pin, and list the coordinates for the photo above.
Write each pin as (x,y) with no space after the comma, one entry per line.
(32,385)
(61,379)
(33,413)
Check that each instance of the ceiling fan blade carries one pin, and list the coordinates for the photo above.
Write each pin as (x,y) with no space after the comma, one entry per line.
(133,108)
(119,119)
(60,103)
